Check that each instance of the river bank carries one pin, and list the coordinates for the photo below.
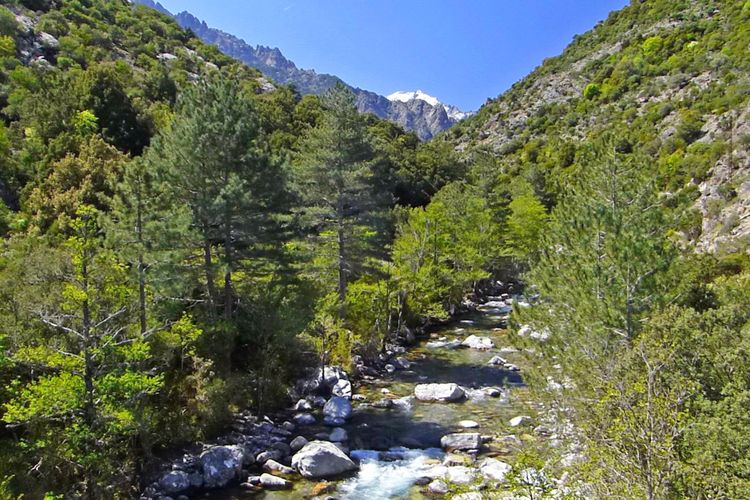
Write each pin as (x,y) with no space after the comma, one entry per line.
(447,417)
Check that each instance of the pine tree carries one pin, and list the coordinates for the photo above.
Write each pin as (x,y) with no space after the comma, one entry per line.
(334,179)
(214,160)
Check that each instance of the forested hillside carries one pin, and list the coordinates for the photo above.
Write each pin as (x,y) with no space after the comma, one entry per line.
(162,254)
(674,75)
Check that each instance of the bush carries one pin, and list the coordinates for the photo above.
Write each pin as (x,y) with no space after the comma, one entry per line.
(592,91)
(8,23)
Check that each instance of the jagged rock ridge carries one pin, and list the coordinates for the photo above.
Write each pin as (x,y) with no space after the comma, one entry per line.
(419,116)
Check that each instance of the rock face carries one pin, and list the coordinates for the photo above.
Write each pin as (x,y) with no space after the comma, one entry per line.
(439,392)
(321,459)
(221,465)
(461,441)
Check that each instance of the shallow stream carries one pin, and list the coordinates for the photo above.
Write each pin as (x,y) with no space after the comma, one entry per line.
(397,446)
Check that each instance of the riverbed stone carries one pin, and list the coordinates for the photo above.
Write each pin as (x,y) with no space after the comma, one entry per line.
(439,392)
(221,464)
(267,455)
(174,482)
(303,419)
(272,466)
(461,441)
(520,421)
(437,487)
(333,421)
(479,343)
(303,405)
(494,469)
(297,443)
(274,482)
(460,474)
(468,424)
(497,361)
(339,435)
(321,459)
(472,495)
(343,389)
(338,408)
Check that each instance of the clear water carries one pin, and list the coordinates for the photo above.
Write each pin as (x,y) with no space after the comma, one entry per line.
(412,429)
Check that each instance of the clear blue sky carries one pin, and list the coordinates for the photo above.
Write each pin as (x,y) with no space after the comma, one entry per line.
(461,51)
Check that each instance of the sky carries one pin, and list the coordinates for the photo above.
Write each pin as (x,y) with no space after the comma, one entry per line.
(460,51)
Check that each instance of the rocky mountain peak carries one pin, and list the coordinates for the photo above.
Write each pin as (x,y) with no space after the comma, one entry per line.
(416,111)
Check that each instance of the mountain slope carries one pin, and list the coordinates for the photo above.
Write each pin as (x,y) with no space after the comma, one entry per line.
(674,76)
(423,118)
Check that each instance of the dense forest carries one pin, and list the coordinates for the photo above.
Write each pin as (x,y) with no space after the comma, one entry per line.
(182,238)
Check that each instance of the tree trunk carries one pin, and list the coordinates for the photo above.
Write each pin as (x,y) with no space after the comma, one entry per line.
(228,256)
(342,264)
(88,374)
(208,270)
(141,263)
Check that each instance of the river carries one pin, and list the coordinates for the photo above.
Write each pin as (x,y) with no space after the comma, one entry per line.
(409,432)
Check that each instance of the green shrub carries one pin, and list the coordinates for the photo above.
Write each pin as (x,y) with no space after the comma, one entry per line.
(592,91)
(8,23)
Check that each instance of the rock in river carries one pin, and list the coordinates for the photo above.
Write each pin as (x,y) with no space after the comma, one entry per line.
(274,482)
(461,441)
(297,443)
(174,482)
(338,408)
(439,392)
(221,464)
(321,459)
(481,343)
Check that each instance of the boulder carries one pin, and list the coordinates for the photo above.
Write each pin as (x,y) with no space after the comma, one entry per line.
(494,469)
(338,407)
(339,435)
(497,361)
(461,475)
(333,421)
(439,392)
(520,421)
(321,459)
(297,443)
(342,389)
(481,343)
(273,466)
(468,424)
(461,441)
(221,464)
(402,363)
(274,483)
(267,455)
(174,482)
(304,419)
(473,495)
(303,405)
(437,487)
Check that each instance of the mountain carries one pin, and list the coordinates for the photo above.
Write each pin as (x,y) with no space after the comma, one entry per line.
(675,75)
(452,111)
(422,117)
